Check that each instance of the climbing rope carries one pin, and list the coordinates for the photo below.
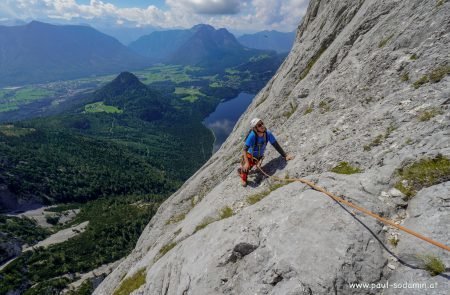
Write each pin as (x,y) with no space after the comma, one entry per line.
(365,211)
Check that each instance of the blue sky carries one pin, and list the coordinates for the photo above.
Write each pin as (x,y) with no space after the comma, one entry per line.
(248,15)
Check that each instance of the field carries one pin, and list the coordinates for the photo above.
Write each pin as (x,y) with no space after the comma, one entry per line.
(174,73)
(100,107)
(188,94)
(12,98)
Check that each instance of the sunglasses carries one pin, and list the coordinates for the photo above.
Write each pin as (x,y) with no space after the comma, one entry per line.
(260,124)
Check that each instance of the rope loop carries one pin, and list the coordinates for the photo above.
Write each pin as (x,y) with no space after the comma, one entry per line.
(361,209)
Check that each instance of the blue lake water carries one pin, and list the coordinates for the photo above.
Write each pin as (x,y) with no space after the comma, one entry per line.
(223,119)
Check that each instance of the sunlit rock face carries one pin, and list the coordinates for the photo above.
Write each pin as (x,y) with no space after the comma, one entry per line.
(366,83)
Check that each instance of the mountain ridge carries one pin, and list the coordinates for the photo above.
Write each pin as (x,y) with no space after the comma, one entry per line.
(202,45)
(160,44)
(40,52)
(209,47)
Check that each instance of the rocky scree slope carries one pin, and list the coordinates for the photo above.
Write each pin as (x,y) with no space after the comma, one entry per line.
(347,92)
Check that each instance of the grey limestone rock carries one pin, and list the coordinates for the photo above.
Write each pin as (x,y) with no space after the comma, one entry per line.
(352,76)
(428,213)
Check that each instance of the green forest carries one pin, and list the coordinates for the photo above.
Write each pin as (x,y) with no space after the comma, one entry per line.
(115,224)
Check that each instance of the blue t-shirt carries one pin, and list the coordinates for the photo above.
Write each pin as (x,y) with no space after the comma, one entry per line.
(257,148)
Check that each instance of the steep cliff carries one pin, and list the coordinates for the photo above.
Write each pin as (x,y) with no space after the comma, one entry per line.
(366,83)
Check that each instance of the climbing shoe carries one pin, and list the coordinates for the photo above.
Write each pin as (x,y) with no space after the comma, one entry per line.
(243,182)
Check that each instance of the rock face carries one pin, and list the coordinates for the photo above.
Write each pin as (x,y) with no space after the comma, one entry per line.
(346,93)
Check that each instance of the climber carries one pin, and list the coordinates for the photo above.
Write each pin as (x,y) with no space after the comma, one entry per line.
(254,147)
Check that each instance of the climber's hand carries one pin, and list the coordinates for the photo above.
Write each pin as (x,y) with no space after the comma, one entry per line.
(289,157)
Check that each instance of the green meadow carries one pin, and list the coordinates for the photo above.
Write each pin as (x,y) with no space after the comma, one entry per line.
(188,94)
(100,107)
(174,73)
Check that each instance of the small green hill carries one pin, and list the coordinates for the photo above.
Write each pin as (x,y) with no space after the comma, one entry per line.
(127,93)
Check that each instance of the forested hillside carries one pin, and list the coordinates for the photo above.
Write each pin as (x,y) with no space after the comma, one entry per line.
(126,140)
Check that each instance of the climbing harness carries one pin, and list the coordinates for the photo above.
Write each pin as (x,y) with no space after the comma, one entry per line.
(365,211)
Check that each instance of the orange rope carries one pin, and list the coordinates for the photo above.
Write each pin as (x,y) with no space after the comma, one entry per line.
(365,211)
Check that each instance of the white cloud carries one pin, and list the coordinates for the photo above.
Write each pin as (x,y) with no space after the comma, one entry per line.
(6,12)
(233,14)
(267,11)
(279,14)
(224,126)
(219,7)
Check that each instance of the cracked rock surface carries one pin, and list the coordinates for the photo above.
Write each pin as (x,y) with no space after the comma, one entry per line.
(347,92)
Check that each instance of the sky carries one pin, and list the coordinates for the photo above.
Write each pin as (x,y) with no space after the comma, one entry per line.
(240,15)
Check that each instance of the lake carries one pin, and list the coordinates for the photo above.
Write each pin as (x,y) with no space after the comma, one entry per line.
(227,113)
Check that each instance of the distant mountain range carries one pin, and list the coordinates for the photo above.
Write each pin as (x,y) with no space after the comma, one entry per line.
(269,40)
(160,45)
(40,52)
(202,45)
(126,35)
(12,22)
